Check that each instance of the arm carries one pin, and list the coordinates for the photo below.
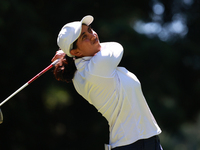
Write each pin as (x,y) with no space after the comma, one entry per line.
(106,61)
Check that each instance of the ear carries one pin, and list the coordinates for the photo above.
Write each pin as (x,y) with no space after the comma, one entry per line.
(76,52)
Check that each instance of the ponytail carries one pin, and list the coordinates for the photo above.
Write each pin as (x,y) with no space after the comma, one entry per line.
(66,71)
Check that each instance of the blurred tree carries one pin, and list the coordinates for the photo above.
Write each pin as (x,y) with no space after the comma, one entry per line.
(161,45)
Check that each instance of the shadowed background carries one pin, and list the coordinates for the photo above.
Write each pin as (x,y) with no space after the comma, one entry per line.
(161,41)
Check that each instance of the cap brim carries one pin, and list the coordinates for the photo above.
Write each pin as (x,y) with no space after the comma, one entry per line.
(87,20)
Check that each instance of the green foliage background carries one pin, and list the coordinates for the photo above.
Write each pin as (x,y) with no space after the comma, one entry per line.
(50,115)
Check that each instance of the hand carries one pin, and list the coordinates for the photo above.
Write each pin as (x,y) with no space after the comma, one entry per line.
(59,55)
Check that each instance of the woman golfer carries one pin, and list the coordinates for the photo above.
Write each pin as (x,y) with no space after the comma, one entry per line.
(114,91)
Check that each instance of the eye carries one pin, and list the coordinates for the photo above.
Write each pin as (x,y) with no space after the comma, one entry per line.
(84,36)
(89,29)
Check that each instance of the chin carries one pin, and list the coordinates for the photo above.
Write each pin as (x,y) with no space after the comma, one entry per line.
(99,46)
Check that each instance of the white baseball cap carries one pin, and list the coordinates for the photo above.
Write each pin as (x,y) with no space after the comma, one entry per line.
(70,32)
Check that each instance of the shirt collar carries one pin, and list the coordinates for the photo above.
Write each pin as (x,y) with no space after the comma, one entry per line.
(80,62)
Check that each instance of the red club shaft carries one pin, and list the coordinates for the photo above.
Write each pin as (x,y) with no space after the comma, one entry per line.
(30,81)
(39,74)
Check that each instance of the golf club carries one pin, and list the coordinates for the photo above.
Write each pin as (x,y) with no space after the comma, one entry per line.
(1,117)
(26,84)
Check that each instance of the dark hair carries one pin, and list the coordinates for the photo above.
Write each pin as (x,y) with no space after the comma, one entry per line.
(67,70)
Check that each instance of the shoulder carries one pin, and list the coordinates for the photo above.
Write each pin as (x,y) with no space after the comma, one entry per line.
(111,45)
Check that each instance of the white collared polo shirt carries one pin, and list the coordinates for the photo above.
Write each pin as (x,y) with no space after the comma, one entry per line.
(117,95)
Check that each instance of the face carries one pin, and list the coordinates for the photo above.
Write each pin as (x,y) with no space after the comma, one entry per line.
(87,44)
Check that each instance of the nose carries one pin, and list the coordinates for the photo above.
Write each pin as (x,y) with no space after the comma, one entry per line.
(93,36)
